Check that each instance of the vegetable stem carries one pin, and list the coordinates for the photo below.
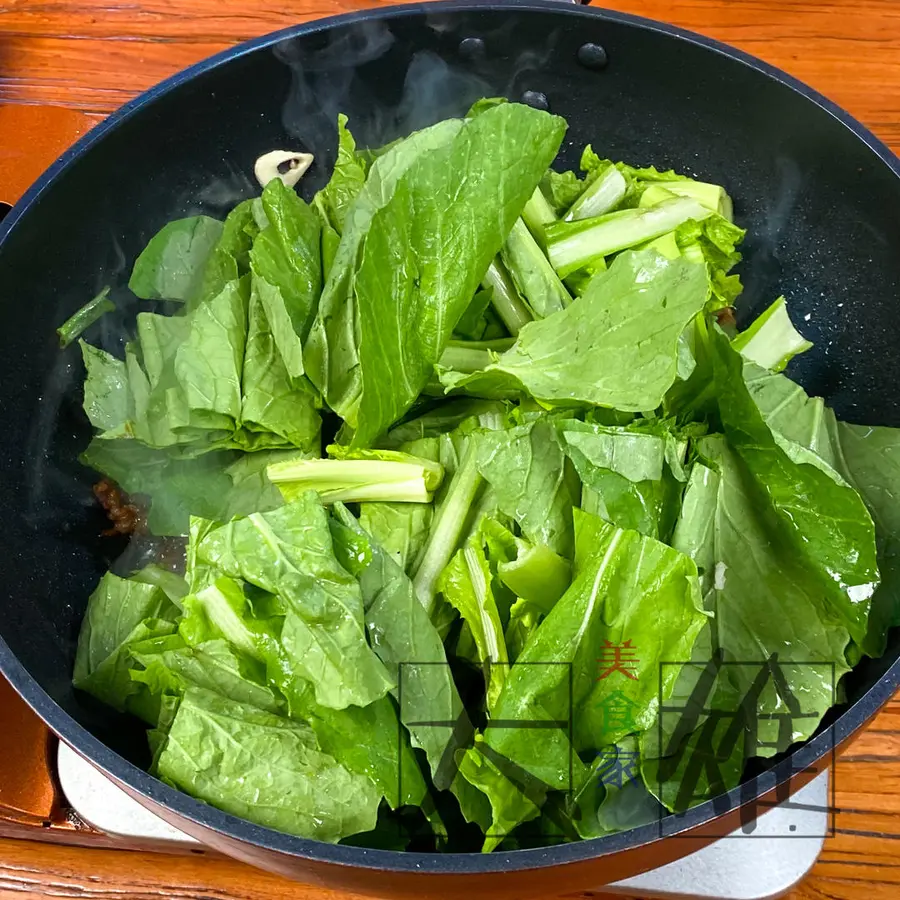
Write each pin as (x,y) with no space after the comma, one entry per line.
(511,308)
(572,244)
(73,327)
(352,480)
(772,341)
(537,213)
(532,273)
(473,356)
(446,528)
(602,195)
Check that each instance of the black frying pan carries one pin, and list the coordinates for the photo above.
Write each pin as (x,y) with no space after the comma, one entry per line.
(819,194)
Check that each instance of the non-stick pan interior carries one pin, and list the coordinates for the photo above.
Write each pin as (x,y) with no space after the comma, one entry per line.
(822,209)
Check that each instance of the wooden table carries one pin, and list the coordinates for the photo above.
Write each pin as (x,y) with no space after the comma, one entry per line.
(90,56)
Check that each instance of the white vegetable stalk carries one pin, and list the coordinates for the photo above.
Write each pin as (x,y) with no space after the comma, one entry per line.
(570,246)
(772,341)
(512,309)
(538,213)
(532,273)
(602,195)
(446,529)
(352,480)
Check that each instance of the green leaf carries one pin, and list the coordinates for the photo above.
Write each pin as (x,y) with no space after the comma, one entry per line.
(289,552)
(627,588)
(400,528)
(212,665)
(713,241)
(412,650)
(826,523)
(870,459)
(91,312)
(209,363)
(534,484)
(172,265)
(598,350)
(264,768)
(466,585)
(287,255)
(562,189)
(121,614)
(219,608)
(111,682)
(635,455)
(366,740)
(346,181)
(106,400)
(331,351)
(409,290)
(625,469)
(370,741)
(230,257)
(116,607)
(510,804)
(274,402)
(625,802)
(765,598)
(443,192)
(797,421)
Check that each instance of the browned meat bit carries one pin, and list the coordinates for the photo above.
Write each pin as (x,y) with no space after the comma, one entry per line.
(725,317)
(126,517)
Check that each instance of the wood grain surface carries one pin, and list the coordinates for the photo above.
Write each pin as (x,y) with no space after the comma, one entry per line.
(92,55)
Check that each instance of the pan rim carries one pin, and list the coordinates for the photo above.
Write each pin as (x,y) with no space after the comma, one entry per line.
(448,864)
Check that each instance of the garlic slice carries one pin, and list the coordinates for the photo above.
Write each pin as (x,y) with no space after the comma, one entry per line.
(286,165)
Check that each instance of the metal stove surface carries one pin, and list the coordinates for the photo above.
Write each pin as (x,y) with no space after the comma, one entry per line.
(764,864)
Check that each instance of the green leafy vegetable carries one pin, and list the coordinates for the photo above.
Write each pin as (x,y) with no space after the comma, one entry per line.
(173,263)
(265,768)
(288,552)
(624,582)
(600,551)
(431,199)
(466,585)
(599,350)
(825,522)
(287,257)
(347,180)
(534,485)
